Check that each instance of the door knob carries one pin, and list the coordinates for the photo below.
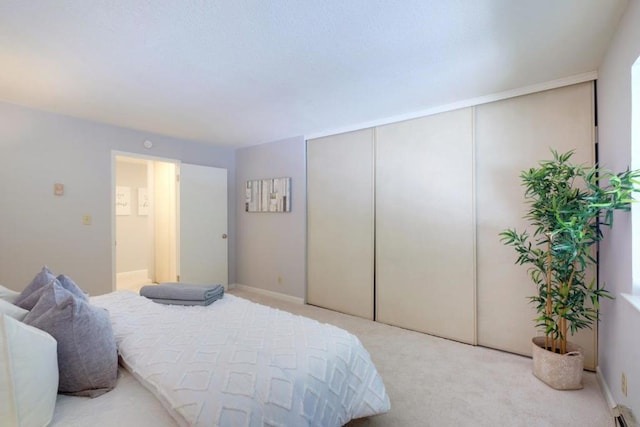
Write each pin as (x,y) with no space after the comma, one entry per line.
(224,236)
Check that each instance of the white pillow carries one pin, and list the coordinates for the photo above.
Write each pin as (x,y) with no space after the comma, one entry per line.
(8,295)
(12,310)
(28,374)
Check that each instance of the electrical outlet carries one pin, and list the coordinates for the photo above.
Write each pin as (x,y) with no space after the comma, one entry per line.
(624,384)
(279,280)
(86,219)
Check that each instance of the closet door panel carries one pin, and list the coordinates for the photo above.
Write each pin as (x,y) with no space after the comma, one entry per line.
(425,225)
(511,136)
(340,223)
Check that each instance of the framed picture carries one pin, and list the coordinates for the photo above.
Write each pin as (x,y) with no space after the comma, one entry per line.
(123,200)
(268,195)
(143,201)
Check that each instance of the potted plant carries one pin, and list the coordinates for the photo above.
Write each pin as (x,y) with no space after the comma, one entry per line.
(568,206)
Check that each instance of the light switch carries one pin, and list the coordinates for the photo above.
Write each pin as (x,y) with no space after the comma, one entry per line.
(58,189)
(86,219)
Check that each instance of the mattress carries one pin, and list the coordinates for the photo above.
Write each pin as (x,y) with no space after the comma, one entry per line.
(128,404)
(239,363)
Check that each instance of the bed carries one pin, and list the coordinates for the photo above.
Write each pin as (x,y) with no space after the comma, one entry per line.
(128,404)
(232,363)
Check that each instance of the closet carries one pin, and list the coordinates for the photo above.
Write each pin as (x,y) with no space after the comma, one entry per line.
(340,227)
(424,225)
(403,219)
(512,135)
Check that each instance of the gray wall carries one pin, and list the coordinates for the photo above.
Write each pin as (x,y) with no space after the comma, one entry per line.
(38,149)
(619,347)
(272,245)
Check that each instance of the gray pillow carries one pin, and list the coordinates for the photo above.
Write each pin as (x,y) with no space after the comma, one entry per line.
(87,354)
(29,301)
(71,286)
(30,296)
(41,279)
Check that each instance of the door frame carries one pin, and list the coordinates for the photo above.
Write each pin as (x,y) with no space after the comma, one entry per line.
(114,154)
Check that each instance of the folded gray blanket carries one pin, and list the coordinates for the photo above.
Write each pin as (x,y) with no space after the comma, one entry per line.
(185,302)
(182,291)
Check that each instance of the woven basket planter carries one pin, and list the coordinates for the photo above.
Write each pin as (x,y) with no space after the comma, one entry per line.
(560,371)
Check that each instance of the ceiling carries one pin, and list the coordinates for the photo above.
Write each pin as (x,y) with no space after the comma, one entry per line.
(239,73)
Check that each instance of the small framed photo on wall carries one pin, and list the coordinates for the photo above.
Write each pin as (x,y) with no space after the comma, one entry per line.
(123,200)
(268,195)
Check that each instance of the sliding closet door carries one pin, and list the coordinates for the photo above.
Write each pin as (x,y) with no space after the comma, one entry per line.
(511,136)
(340,223)
(425,225)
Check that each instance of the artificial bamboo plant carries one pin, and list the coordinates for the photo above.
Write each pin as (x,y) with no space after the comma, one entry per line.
(568,206)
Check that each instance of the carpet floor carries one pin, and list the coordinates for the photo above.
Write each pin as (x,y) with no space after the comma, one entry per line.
(436,382)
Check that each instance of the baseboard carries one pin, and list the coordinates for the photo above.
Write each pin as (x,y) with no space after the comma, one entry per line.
(133,278)
(624,417)
(605,389)
(278,295)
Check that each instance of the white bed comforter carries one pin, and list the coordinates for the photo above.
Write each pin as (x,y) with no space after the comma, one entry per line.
(238,363)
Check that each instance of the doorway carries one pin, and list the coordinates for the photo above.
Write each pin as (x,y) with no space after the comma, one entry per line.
(169,222)
(145,222)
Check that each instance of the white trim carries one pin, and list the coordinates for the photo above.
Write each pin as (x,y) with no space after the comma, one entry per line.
(142,156)
(635,164)
(539,87)
(474,220)
(634,300)
(278,295)
(112,215)
(605,389)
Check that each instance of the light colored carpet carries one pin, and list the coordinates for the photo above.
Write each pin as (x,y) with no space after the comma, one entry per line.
(436,382)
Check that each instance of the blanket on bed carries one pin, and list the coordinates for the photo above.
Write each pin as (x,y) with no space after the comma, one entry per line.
(184,302)
(243,364)
(182,291)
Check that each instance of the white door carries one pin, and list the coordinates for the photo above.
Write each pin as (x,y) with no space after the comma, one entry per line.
(511,136)
(425,225)
(340,223)
(203,225)
(165,221)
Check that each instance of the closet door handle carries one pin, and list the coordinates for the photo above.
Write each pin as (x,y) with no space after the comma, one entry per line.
(224,236)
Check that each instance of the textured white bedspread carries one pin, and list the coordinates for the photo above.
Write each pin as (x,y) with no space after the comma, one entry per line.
(238,363)
(129,404)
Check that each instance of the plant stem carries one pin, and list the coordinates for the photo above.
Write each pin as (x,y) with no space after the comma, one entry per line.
(549,306)
(563,320)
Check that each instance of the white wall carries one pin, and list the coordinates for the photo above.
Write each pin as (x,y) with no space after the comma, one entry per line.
(132,231)
(273,245)
(38,149)
(619,347)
